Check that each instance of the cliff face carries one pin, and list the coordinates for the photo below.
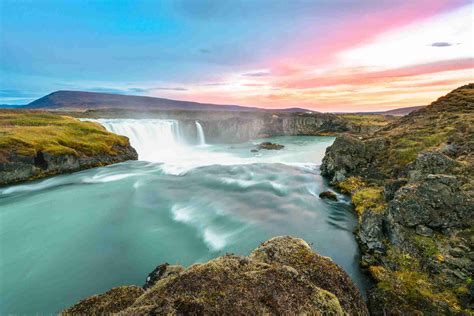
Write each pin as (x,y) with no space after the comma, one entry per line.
(226,126)
(412,184)
(282,276)
(38,144)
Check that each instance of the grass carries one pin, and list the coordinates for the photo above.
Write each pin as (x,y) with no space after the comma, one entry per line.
(449,119)
(29,132)
(368,119)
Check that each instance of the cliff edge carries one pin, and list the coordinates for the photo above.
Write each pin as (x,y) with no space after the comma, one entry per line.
(36,144)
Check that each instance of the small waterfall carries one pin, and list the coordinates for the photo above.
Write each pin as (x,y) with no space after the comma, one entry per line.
(200,134)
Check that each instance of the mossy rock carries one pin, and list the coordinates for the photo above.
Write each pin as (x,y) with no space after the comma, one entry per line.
(282,276)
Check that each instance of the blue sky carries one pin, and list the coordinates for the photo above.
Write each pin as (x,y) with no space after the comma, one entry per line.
(240,52)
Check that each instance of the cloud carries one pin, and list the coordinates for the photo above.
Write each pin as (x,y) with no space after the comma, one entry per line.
(262,73)
(441,44)
(204,51)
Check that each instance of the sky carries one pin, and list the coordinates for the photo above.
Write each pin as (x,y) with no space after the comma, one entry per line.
(325,55)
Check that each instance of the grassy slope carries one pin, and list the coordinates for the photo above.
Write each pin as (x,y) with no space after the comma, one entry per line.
(28,132)
(450,119)
(369,120)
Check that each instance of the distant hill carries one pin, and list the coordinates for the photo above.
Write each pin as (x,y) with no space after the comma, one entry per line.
(402,111)
(94,100)
(10,106)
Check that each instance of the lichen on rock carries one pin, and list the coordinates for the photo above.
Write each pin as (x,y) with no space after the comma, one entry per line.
(282,276)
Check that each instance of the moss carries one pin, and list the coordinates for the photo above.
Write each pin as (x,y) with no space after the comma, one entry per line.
(28,132)
(427,247)
(416,287)
(369,199)
(350,185)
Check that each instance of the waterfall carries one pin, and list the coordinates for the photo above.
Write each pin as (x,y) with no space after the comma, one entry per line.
(153,139)
(200,134)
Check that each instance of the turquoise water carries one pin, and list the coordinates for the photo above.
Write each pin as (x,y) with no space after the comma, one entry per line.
(71,236)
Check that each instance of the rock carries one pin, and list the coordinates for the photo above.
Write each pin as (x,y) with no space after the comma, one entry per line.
(270,146)
(422,230)
(328,195)
(436,202)
(320,270)
(347,156)
(112,301)
(430,163)
(370,233)
(254,150)
(282,276)
(160,272)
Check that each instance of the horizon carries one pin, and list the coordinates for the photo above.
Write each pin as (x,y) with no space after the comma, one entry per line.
(321,56)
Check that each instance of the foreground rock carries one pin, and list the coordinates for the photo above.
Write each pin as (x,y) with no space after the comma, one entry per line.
(412,184)
(282,276)
(37,144)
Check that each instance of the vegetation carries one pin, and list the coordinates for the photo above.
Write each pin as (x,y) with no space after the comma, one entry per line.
(447,120)
(28,132)
(374,120)
(350,185)
(369,199)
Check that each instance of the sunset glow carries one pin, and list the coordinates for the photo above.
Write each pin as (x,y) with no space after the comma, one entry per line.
(326,58)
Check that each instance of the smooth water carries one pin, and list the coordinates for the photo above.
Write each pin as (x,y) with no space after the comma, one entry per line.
(71,236)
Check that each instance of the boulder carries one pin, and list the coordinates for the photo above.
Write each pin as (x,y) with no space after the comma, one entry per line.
(282,276)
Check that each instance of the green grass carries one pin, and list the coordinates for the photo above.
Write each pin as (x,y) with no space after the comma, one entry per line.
(28,132)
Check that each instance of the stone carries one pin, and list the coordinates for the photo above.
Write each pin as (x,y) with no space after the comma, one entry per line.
(328,195)
(270,146)
(422,230)
(160,272)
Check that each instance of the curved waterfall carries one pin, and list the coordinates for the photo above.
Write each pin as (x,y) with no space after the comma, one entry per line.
(156,140)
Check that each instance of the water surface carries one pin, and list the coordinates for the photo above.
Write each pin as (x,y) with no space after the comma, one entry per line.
(71,236)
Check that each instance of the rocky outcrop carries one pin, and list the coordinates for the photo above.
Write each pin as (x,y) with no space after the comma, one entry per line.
(412,186)
(36,144)
(17,168)
(282,276)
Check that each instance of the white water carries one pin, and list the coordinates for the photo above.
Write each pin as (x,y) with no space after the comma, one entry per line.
(200,134)
(161,141)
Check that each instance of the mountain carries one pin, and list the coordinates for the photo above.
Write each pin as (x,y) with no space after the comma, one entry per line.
(94,100)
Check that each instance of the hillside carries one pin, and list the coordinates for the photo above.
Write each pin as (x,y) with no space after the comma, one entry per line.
(94,100)
(402,111)
(37,144)
(412,185)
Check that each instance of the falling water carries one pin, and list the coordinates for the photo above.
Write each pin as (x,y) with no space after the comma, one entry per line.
(200,134)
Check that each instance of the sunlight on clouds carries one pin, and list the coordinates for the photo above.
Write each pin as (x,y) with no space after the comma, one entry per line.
(413,44)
